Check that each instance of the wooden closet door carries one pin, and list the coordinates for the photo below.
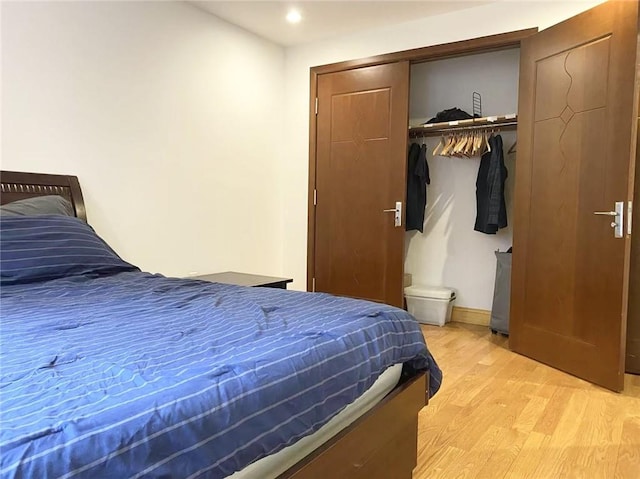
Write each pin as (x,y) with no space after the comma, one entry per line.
(361,160)
(632,362)
(576,119)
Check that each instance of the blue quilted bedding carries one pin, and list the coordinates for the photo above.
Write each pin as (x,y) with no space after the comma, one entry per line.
(130,374)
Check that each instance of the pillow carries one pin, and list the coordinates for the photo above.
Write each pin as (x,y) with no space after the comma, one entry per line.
(43,247)
(38,205)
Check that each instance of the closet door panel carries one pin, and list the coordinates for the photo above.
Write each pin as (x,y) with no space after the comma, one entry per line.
(633,323)
(361,171)
(570,274)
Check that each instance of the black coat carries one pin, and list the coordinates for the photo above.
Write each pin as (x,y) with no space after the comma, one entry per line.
(492,174)
(417,181)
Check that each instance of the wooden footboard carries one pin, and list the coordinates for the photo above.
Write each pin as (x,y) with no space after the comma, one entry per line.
(382,444)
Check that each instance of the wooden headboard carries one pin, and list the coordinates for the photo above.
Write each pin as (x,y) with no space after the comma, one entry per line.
(16,185)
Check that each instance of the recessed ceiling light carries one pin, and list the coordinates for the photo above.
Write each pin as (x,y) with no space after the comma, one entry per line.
(294,16)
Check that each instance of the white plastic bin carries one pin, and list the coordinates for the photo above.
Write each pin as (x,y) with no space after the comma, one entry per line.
(430,304)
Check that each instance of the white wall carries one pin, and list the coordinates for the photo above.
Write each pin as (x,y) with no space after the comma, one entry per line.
(479,21)
(170,117)
(449,252)
(451,82)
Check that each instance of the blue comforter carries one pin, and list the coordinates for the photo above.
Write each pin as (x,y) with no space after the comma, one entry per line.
(138,375)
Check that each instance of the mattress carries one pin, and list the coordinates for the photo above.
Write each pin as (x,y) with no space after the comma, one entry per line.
(271,466)
(138,375)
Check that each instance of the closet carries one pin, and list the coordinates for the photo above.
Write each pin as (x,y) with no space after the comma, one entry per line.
(569,185)
(449,252)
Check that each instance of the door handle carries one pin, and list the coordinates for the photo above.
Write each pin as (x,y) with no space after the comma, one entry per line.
(618,224)
(397,217)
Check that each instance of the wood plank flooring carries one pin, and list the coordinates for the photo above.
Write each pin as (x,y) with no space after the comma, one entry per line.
(502,415)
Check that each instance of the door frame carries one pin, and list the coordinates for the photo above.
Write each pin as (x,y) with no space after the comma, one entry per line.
(501,41)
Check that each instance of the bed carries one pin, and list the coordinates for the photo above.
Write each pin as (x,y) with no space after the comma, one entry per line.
(112,372)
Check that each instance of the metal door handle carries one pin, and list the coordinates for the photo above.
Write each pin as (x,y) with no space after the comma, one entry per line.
(618,224)
(397,217)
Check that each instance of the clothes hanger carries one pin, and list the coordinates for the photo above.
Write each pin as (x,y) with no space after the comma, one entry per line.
(464,147)
(477,146)
(477,141)
(471,144)
(468,139)
(459,145)
(513,148)
(439,146)
(447,147)
(465,144)
(486,141)
(471,147)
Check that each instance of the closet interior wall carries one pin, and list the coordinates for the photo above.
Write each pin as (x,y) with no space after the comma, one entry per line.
(450,252)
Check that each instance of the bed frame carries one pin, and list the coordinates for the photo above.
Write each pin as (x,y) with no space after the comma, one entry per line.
(381,444)
(18,186)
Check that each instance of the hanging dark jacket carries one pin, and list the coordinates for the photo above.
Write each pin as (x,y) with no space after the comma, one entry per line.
(417,181)
(492,174)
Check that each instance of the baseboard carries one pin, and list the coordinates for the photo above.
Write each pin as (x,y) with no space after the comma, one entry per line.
(480,317)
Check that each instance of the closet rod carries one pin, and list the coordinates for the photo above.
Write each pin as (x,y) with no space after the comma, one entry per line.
(439,131)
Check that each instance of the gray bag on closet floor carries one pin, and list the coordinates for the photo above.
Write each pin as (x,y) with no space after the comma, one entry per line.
(501,295)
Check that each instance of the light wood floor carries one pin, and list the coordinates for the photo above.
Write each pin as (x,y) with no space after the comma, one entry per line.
(501,415)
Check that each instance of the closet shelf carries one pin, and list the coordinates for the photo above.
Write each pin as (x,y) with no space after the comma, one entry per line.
(502,121)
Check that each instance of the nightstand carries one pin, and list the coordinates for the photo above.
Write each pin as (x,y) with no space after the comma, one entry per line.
(245,279)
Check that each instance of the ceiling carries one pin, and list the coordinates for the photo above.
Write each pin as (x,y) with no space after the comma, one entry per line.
(324,19)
